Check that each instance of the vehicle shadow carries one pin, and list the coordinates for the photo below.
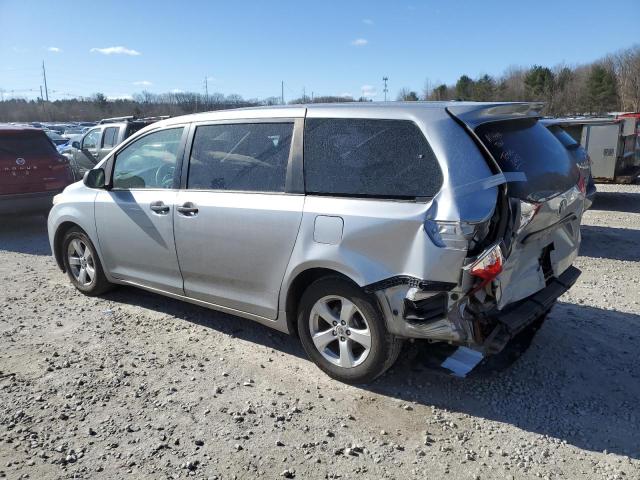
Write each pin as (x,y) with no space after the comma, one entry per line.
(218,321)
(628,202)
(597,242)
(25,234)
(559,387)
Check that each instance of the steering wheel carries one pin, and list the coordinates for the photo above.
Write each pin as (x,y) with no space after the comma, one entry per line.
(164,176)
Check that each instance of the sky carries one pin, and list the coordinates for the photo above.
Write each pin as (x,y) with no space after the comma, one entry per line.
(248,47)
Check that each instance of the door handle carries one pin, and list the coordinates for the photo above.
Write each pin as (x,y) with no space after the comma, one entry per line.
(188,209)
(159,207)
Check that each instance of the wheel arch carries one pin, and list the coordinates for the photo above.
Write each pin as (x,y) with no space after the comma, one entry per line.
(297,288)
(61,231)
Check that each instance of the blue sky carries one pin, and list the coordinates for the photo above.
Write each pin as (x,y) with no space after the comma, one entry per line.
(328,47)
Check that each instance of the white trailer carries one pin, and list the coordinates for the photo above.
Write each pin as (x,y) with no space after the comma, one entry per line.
(611,143)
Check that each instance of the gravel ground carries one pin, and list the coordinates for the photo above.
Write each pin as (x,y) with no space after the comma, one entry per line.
(136,385)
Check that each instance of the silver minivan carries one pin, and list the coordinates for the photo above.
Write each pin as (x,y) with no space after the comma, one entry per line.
(353,226)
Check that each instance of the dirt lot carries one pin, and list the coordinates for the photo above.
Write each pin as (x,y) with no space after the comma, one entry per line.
(136,385)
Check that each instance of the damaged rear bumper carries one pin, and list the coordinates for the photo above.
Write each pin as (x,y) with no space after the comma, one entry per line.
(444,317)
(518,316)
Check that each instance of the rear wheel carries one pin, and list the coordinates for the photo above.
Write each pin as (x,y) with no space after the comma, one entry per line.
(343,332)
(82,263)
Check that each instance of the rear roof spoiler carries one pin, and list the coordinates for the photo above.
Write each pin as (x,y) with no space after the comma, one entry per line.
(475,114)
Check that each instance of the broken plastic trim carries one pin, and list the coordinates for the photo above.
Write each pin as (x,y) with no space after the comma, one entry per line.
(425,285)
(462,361)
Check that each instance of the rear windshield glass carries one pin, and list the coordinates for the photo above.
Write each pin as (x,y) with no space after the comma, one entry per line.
(22,144)
(528,147)
(369,158)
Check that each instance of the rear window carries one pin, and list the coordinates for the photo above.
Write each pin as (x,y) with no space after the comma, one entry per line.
(369,158)
(22,144)
(567,140)
(528,147)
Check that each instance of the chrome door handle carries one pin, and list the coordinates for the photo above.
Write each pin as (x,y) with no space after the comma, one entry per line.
(188,209)
(159,207)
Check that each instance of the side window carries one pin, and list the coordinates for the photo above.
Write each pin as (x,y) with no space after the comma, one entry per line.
(369,158)
(91,139)
(148,162)
(248,157)
(110,137)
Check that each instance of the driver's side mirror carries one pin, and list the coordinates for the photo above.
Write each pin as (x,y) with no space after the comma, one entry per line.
(94,178)
(75,144)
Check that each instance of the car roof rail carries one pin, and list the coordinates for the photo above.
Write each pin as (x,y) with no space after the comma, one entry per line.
(116,119)
(153,119)
(132,118)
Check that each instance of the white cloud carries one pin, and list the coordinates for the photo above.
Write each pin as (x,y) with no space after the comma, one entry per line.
(359,42)
(346,95)
(121,96)
(367,21)
(368,91)
(143,83)
(116,51)
(54,49)
(177,90)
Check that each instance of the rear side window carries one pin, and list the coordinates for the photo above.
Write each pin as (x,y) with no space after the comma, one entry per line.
(23,144)
(528,147)
(110,137)
(250,157)
(369,158)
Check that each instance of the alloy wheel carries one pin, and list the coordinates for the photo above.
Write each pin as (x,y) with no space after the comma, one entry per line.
(81,262)
(339,331)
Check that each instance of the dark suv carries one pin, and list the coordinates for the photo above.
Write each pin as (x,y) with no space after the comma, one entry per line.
(85,153)
(31,170)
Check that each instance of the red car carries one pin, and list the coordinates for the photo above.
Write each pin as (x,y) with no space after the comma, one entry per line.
(31,170)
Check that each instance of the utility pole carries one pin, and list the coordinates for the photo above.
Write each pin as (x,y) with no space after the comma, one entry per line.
(385,90)
(304,95)
(40,92)
(282,92)
(206,90)
(44,75)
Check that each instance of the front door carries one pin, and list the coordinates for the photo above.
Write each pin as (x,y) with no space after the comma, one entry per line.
(235,225)
(85,158)
(109,140)
(135,217)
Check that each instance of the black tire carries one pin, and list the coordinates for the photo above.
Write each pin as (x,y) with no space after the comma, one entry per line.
(384,349)
(98,283)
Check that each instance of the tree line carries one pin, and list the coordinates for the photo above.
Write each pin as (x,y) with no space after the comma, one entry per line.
(608,84)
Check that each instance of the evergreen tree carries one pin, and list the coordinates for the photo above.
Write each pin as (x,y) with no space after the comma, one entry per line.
(601,90)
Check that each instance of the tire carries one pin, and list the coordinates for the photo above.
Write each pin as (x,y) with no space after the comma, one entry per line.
(79,253)
(337,350)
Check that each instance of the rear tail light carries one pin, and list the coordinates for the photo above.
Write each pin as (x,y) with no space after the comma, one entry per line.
(488,265)
(456,235)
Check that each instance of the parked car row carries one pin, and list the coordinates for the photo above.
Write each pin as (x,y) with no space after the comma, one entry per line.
(353,226)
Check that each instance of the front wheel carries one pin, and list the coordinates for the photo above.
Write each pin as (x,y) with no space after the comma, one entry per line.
(82,263)
(343,332)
